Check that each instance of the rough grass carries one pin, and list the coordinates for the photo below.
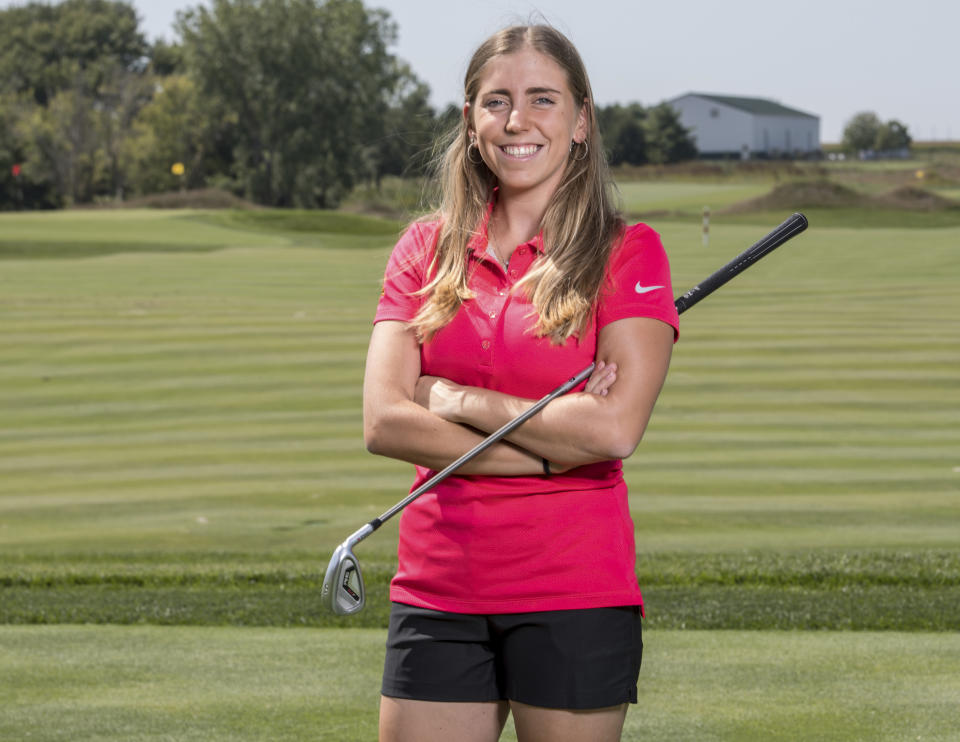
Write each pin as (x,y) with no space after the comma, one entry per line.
(892,590)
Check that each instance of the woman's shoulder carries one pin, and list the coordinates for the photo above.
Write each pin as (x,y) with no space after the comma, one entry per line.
(639,233)
(635,239)
(423,231)
(418,239)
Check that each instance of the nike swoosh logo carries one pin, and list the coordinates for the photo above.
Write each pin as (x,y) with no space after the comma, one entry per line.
(641,289)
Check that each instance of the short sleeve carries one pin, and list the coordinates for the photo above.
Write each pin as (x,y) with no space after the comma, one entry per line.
(638,281)
(406,274)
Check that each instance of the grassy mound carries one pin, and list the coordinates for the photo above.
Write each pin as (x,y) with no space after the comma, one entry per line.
(306,221)
(825,194)
(911,198)
(803,195)
(203,198)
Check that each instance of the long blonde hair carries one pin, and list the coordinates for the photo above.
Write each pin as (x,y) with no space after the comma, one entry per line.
(578,227)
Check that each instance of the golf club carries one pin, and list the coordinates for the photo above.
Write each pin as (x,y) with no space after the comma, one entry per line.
(343,591)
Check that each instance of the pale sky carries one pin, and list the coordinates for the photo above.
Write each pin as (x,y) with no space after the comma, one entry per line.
(831,58)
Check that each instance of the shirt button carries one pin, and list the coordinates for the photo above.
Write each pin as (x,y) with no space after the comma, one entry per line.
(485,345)
(513,273)
(493,315)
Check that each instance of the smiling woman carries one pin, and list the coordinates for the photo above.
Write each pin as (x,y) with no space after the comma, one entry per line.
(523,276)
(525,123)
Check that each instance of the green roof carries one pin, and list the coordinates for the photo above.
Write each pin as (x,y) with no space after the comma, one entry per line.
(760,106)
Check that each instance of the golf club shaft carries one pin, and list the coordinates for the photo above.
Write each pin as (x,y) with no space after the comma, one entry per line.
(789,228)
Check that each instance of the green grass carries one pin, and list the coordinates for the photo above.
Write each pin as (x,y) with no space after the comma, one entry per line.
(180,396)
(85,234)
(892,590)
(639,197)
(182,422)
(146,683)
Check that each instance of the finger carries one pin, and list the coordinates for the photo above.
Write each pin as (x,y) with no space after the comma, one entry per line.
(601,379)
(594,379)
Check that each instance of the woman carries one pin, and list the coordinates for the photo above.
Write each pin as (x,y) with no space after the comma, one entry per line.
(516,588)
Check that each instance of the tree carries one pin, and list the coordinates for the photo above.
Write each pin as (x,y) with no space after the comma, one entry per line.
(667,139)
(305,86)
(61,145)
(623,133)
(166,59)
(409,129)
(122,95)
(861,132)
(892,136)
(76,73)
(11,156)
(173,128)
(45,49)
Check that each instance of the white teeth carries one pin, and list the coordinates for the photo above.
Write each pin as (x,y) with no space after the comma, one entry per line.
(524,151)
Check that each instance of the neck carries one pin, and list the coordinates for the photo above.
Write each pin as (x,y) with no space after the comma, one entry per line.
(516,220)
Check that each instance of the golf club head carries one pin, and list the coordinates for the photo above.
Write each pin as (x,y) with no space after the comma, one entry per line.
(342,591)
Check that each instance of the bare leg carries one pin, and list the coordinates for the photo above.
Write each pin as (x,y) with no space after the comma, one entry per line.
(403,720)
(536,724)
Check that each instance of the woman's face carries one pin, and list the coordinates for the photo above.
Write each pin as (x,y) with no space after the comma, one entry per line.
(525,118)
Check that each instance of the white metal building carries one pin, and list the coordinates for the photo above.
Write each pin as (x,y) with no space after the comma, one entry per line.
(728,126)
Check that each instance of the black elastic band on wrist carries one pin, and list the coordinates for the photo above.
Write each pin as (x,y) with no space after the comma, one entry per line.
(546,466)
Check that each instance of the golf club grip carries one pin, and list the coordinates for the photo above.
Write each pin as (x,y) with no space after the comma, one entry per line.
(792,226)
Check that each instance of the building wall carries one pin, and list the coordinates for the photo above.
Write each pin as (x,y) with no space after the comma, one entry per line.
(785,134)
(716,127)
(721,129)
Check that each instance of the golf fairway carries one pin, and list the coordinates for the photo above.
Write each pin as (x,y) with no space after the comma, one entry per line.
(111,683)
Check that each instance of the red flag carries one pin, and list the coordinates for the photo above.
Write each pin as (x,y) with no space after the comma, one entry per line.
(15,170)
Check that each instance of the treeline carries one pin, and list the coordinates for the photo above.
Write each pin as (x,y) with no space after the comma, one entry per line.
(866,136)
(283,102)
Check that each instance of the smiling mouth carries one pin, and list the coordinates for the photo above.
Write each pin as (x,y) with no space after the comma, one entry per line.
(521,150)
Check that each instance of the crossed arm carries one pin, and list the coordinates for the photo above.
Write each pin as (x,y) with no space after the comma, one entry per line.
(431,421)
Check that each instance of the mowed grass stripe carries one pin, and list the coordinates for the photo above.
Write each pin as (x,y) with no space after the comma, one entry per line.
(138,683)
(660,453)
(193,403)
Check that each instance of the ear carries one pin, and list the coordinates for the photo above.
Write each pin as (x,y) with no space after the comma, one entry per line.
(466,117)
(582,129)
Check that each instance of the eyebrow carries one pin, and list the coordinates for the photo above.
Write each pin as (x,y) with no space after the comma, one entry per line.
(529,91)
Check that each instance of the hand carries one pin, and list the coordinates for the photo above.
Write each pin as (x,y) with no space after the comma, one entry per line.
(441,396)
(601,379)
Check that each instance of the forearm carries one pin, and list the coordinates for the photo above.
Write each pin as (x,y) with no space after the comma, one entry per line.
(605,421)
(395,425)
(572,430)
(408,432)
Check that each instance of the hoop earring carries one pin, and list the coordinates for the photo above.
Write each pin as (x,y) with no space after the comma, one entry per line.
(586,150)
(473,146)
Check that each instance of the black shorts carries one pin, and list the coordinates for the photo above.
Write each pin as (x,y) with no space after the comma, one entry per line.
(572,659)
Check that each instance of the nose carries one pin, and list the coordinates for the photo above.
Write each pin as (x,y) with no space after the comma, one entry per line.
(517,121)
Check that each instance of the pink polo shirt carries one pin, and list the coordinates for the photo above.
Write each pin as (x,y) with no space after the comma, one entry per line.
(484,544)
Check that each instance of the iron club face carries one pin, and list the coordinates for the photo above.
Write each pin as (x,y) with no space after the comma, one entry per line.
(343,592)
